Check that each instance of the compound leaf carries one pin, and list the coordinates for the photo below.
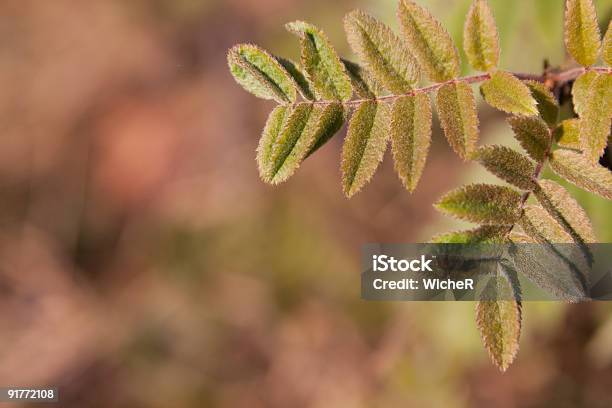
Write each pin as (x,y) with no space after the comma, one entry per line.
(507,93)
(547,103)
(596,118)
(429,42)
(482,203)
(271,131)
(533,135)
(582,37)
(383,53)
(410,137)
(566,211)
(567,134)
(499,323)
(480,37)
(577,169)
(581,90)
(261,73)
(365,145)
(607,46)
(457,112)
(507,164)
(323,67)
(482,234)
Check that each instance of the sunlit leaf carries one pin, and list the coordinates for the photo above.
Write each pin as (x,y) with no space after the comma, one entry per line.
(429,42)
(383,52)
(499,323)
(323,67)
(607,45)
(507,93)
(567,134)
(482,203)
(410,137)
(581,90)
(533,135)
(299,78)
(457,112)
(507,164)
(480,37)
(548,106)
(365,145)
(582,37)
(539,225)
(273,128)
(363,84)
(482,234)
(260,73)
(596,118)
(566,211)
(578,170)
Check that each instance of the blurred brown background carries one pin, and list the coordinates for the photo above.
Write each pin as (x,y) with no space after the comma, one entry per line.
(143,263)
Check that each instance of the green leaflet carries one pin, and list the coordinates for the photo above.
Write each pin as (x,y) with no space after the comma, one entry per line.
(507,164)
(578,170)
(384,54)
(607,46)
(410,137)
(582,37)
(323,67)
(533,135)
(298,77)
(539,225)
(482,234)
(260,73)
(429,42)
(304,126)
(363,83)
(273,127)
(547,103)
(566,211)
(596,118)
(499,323)
(567,134)
(480,37)
(507,93)
(458,116)
(365,145)
(482,203)
(581,90)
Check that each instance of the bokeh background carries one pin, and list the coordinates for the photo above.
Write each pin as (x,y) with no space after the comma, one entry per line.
(143,263)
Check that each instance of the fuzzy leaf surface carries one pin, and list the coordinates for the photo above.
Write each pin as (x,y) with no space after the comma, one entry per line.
(323,67)
(365,145)
(458,116)
(533,135)
(606,49)
(363,84)
(482,203)
(581,90)
(582,36)
(272,130)
(499,323)
(577,169)
(596,118)
(548,106)
(538,224)
(566,211)
(383,52)
(567,134)
(507,164)
(480,37)
(261,74)
(429,42)
(410,137)
(298,76)
(507,93)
